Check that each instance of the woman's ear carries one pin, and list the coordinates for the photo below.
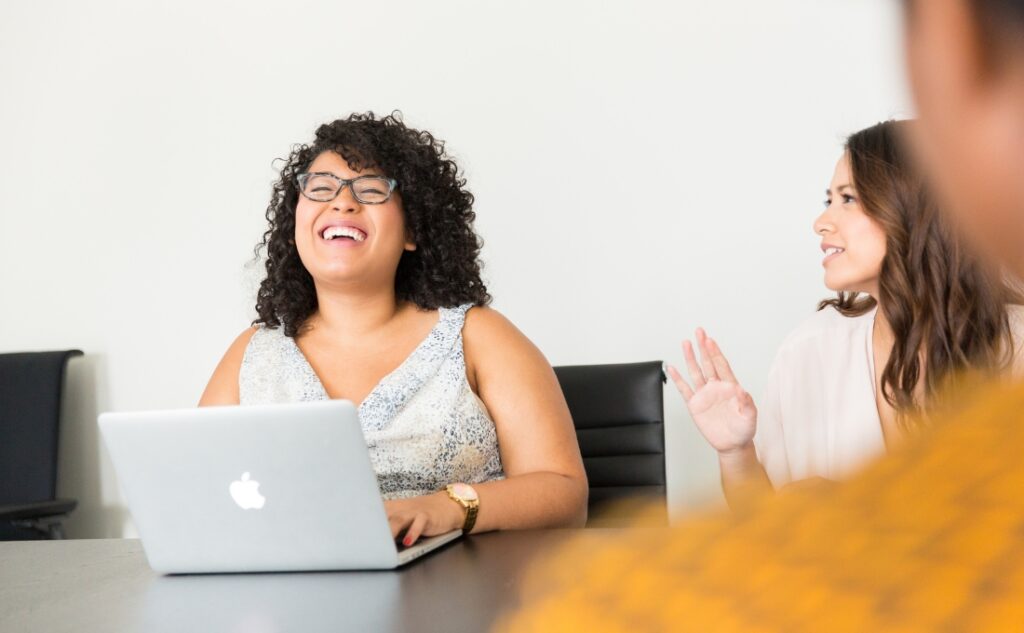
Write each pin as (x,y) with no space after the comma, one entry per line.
(410,246)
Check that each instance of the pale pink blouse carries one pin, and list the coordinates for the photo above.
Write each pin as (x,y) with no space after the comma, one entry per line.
(818,416)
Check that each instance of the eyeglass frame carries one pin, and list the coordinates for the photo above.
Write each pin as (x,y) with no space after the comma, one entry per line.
(342,183)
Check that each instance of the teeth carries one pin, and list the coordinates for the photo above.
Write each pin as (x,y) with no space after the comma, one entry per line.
(332,232)
(833,251)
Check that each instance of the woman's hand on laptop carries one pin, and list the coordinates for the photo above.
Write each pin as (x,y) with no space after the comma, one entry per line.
(722,410)
(428,515)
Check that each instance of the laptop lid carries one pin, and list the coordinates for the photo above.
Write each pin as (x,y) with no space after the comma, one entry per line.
(284,487)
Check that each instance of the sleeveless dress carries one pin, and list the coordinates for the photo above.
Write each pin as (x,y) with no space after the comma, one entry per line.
(423,424)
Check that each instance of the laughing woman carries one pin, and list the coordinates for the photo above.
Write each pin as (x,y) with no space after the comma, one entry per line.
(914,310)
(373,295)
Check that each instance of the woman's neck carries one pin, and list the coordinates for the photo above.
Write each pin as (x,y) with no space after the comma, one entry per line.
(882,342)
(883,334)
(348,314)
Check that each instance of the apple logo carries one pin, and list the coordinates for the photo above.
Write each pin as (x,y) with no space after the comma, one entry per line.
(246,493)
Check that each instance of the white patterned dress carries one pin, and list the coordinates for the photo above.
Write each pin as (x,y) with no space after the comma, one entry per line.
(423,424)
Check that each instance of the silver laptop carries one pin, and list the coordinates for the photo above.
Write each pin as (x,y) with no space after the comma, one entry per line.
(254,488)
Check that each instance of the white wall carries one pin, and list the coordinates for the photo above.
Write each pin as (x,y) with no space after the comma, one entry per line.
(137,140)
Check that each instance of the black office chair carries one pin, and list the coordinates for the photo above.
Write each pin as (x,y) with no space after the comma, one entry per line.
(31,386)
(619,416)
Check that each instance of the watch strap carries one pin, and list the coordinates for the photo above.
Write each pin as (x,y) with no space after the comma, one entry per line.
(470,506)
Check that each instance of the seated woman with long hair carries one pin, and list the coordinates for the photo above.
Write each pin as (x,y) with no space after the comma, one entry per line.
(373,294)
(915,309)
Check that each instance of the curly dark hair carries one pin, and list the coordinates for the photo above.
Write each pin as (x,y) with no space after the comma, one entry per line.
(443,271)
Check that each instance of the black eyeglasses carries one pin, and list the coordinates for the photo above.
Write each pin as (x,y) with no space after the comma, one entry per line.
(324,187)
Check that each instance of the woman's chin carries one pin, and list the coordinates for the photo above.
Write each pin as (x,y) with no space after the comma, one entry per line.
(847,287)
(338,277)
(838,283)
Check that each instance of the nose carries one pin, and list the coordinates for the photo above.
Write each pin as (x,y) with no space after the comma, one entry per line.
(345,201)
(824,224)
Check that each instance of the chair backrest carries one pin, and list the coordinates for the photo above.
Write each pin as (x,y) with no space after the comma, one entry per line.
(31,384)
(618,411)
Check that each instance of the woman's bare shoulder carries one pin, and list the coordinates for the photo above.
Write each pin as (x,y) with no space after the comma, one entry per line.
(223,385)
(487,324)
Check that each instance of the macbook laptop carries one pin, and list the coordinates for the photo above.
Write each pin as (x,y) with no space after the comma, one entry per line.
(285,487)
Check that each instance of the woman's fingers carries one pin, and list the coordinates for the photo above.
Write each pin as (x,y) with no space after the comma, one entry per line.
(713,365)
(705,356)
(397,522)
(722,367)
(415,529)
(696,375)
(681,385)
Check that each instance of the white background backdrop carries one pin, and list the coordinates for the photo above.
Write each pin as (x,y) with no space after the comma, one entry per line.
(137,139)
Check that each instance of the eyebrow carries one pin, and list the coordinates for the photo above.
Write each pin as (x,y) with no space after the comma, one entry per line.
(339,177)
(828,192)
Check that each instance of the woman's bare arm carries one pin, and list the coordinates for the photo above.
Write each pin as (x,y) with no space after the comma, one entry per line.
(223,386)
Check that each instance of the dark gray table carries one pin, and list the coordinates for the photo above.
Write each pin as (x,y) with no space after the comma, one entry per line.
(106,585)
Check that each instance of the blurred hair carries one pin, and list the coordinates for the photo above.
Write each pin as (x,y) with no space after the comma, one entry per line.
(1000,25)
(1000,16)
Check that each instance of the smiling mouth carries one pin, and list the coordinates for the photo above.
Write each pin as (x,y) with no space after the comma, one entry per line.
(831,253)
(343,233)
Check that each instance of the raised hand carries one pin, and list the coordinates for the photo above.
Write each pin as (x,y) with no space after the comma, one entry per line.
(724,413)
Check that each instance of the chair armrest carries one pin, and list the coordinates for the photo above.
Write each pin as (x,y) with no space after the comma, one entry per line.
(37,510)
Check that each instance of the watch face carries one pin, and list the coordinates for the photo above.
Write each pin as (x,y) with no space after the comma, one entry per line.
(464,492)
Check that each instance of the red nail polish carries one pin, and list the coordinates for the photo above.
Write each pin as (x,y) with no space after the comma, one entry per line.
(407,541)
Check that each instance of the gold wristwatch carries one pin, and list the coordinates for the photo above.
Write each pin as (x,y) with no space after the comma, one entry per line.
(465,496)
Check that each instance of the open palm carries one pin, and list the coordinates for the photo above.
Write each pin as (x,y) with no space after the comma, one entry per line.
(722,410)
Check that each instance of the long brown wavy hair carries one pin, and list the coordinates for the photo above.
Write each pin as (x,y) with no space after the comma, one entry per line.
(947,307)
